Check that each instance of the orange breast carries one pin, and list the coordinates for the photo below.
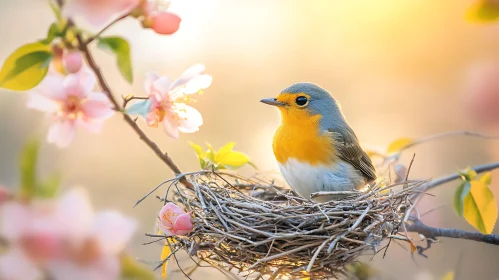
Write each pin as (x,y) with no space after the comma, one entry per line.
(298,137)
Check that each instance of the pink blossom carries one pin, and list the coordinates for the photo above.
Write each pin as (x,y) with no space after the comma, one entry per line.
(165,23)
(98,12)
(62,237)
(166,103)
(174,221)
(72,102)
(73,62)
(155,16)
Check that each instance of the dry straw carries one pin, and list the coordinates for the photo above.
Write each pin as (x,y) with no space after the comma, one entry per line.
(255,228)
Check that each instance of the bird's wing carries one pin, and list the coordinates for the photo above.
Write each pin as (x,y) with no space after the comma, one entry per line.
(348,149)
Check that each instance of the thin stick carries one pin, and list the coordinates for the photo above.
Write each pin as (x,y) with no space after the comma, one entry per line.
(452,177)
(433,232)
(449,134)
(89,40)
(151,144)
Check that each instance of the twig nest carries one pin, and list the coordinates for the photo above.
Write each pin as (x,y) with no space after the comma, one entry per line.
(252,227)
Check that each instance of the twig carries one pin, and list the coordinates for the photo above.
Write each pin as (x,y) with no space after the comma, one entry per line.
(89,40)
(449,134)
(446,179)
(151,144)
(433,232)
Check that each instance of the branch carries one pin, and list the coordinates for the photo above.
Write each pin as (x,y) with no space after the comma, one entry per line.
(449,134)
(151,144)
(432,232)
(446,179)
(89,40)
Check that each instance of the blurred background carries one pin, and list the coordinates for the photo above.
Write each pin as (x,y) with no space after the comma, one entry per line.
(399,69)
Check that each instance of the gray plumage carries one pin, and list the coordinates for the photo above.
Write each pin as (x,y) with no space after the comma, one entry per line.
(333,122)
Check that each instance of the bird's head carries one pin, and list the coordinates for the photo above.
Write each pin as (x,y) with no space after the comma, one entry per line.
(305,100)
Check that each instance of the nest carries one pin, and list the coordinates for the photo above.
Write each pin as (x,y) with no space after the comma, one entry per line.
(253,227)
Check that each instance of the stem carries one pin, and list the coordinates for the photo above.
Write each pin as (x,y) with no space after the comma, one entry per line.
(449,134)
(89,40)
(446,179)
(433,232)
(105,87)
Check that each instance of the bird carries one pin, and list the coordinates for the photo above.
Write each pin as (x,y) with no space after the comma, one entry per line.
(314,146)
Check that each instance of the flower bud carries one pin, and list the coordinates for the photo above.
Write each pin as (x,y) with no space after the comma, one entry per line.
(165,23)
(73,62)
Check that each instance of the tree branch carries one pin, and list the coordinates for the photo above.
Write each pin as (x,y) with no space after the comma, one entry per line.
(452,177)
(89,40)
(432,232)
(449,134)
(151,144)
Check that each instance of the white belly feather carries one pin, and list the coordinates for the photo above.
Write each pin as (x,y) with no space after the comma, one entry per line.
(306,179)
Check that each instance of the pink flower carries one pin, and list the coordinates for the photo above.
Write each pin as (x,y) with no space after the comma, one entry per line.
(73,62)
(174,221)
(98,12)
(72,102)
(155,16)
(165,23)
(166,103)
(62,237)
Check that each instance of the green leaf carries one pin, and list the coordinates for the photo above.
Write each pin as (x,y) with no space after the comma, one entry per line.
(26,67)
(480,208)
(133,270)
(48,187)
(56,10)
(140,108)
(461,192)
(468,174)
(51,34)
(121,49)
(398,145)
(29,157)
(483,11)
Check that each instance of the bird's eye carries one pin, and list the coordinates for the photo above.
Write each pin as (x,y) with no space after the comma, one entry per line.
(301,101)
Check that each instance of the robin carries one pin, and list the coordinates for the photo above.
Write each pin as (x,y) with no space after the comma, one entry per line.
(314,146)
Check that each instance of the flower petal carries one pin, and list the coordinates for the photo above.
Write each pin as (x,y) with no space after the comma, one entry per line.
(165,23)
(15,220)
(113,231)
(75,214)
(170,126)
(91,125)
(79,84)
(96,109)
(161,85)
(183,224)
(52,87)
(16,265)
(104,268)
(189,118)
(197,83)
(98,13)
(61,133)
(166,231)
(190,73)
(41,103)
(150,78)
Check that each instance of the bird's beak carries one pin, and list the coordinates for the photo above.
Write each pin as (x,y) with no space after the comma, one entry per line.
(273,102)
